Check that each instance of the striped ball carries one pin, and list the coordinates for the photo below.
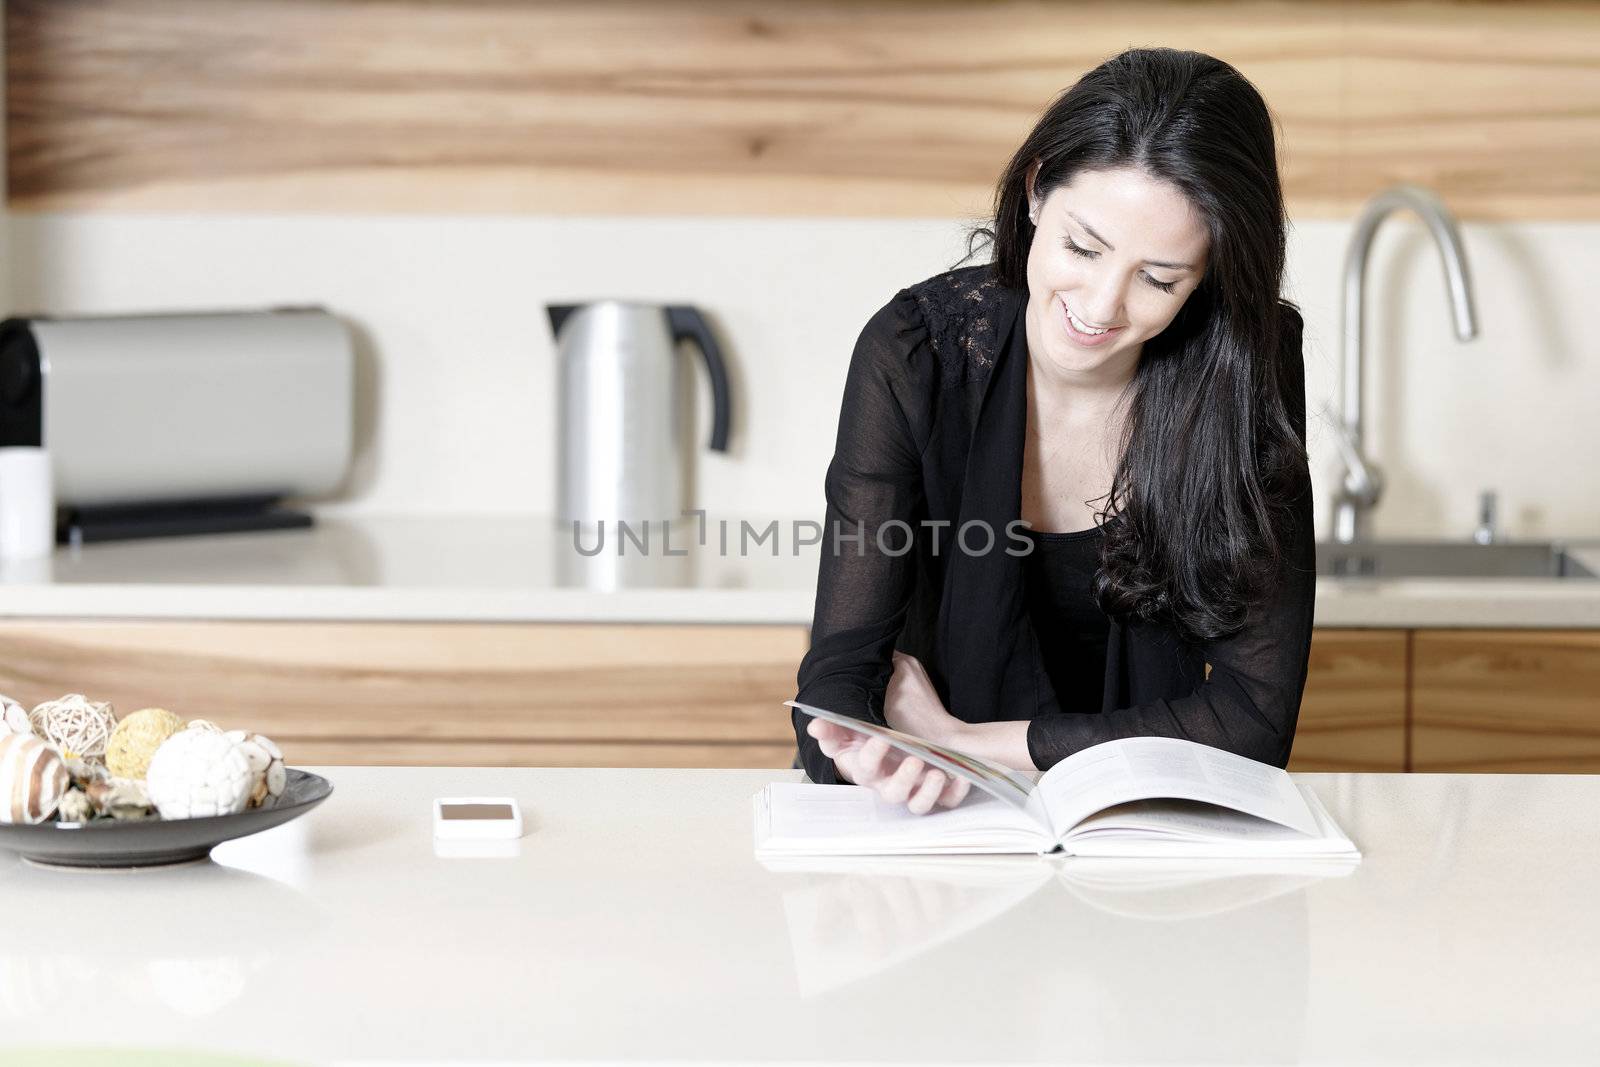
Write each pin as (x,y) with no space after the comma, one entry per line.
(33,779)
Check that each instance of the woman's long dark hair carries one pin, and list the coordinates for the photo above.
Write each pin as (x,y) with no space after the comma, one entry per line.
(1210,457)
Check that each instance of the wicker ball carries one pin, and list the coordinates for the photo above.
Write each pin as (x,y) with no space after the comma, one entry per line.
(136,739)
(203,724)
(267,774)
(33,779)
(75,725)
(13,717)
(196,773)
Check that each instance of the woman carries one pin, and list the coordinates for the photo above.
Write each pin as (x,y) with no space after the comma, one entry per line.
(1069,499)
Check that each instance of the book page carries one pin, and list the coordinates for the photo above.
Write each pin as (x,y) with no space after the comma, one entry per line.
(1147,768)
(800,818)
(1003,783)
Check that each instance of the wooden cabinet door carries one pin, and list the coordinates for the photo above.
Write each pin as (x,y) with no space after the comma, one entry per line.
(1353,715)
(1506,700)
(449,694)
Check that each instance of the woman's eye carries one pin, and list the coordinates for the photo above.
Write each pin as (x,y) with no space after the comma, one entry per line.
(1072,246)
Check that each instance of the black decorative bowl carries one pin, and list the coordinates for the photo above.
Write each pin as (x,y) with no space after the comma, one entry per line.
(158,842)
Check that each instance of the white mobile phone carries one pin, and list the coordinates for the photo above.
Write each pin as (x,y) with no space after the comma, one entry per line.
(476,818)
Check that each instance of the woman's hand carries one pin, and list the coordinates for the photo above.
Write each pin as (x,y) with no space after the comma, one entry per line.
(911,704)
(894,776)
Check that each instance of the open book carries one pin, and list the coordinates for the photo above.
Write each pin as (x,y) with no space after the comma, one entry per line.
(1137,796)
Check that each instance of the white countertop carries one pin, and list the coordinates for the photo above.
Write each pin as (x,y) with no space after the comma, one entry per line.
(633,923)
(497,568)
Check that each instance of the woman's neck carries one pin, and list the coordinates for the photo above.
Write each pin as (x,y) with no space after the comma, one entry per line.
(1097,389)
(1074,396)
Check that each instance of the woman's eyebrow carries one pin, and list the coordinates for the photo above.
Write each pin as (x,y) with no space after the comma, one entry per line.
(1108,244)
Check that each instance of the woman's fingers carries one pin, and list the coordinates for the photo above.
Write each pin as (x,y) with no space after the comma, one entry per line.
(827,735)
(897,790)
(927,792)
(832,738)
(867,760)
(954,793)
(870,762)
(864,764)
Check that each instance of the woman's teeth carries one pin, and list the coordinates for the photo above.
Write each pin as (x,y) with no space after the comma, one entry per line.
(1078,323)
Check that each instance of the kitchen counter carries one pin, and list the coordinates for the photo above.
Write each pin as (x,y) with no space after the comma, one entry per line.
(632,922)
(496,568)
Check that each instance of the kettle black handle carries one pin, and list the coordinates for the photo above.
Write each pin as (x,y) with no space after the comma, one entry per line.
(559,313)
(687,322)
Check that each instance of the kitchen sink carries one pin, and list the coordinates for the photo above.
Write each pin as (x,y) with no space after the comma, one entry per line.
(1448,559)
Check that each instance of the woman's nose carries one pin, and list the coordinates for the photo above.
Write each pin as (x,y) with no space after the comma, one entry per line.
(1102,305)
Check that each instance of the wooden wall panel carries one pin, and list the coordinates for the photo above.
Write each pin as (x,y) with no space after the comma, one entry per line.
(414,692)
(1506,700)
(314,752)
(879,107)
(1353,715)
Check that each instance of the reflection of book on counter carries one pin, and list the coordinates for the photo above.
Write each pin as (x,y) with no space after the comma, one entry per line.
(1133,797)
(852,917)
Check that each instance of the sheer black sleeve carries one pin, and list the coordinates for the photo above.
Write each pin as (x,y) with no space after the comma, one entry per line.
(875,478)
(1250,700)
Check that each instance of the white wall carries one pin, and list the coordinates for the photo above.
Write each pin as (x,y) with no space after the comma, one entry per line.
(457,364)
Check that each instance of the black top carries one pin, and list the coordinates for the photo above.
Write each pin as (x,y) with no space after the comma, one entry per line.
(1058,576)
(930,440)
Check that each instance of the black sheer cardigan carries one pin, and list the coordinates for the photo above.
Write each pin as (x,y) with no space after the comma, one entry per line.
(928,456)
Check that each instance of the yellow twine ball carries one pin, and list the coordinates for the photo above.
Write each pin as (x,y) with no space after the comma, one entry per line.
(136,739)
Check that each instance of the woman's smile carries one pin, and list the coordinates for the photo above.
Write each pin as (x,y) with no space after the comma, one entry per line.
(1079,333)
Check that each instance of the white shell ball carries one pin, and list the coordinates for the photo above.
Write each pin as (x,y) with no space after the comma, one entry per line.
(268,775)
(13,717)
(196,774)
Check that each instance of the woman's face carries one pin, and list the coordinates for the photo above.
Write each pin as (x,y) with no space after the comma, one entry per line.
(1118,250)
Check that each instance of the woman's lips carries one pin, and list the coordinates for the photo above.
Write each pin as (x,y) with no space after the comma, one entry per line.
(1087,340)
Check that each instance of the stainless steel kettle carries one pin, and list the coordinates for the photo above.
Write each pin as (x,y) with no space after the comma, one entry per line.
(624,408)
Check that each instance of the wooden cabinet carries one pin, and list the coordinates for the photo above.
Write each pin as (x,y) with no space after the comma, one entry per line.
(463,694)
(1506,700)
(1353,715)
(560,694)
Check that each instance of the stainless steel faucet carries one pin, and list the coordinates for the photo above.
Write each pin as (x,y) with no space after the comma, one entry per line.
(1488,531)
(1362,484)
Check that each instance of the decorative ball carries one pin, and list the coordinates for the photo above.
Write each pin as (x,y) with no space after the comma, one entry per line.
(75,806)
(267,773)
(33,779)
(203,724)
(76,725)
(13,717)
(136,739)
(196,773)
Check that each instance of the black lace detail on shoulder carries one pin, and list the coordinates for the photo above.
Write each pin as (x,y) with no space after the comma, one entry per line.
(966,314)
